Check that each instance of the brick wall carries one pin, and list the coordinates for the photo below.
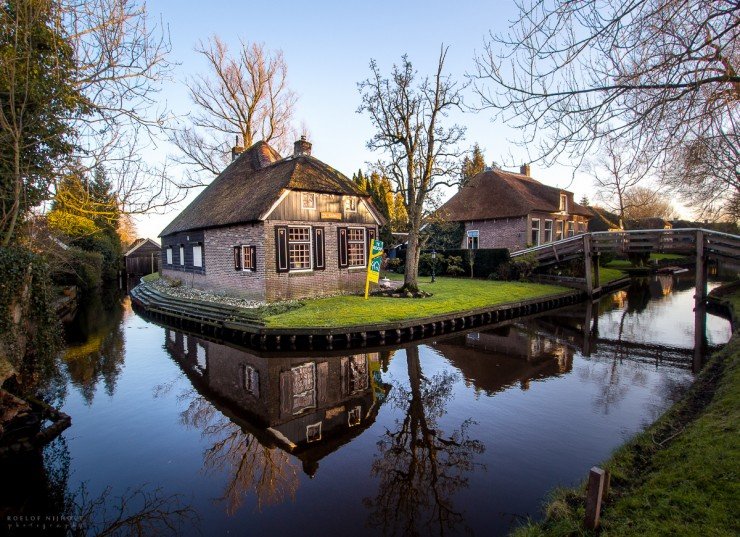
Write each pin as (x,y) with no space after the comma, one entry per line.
(266,283)
(508,233)
(293,285)
(220,275)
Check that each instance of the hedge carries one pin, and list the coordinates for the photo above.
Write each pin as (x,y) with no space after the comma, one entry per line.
(486,261)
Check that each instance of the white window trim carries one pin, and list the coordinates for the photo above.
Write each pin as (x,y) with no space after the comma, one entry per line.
(348,198)
(552,229)
(243,246)
(315,201)
(539,230)
(310,249)
(564,202)
(198,260)
(182,255)
(469,236)
(169,255)
(364,249)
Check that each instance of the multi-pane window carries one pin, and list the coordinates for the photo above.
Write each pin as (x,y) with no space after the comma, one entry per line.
(564,203)
(473,239)
(247,261)
(571,228)
(251,379)
(548,230)
(299,248)
(169,256)
(308,200)
(356,246)
(197,256)
(535,238)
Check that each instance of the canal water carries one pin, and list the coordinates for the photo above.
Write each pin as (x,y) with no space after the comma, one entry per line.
(465,434)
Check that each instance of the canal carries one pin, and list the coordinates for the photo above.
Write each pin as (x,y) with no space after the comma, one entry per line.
(463,434)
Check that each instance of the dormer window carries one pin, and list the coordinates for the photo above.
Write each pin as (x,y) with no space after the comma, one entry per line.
(563,203)
(308,200)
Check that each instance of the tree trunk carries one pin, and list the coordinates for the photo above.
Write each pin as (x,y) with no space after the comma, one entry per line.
(15,208)
(411,270)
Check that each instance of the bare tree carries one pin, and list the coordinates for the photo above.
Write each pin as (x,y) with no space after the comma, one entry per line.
(616,170)
(245,95)
(420,154)
(121,58)
(645,202)
(661,73)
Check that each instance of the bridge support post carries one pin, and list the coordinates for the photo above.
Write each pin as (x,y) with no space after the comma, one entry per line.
(588,264)
(700,299)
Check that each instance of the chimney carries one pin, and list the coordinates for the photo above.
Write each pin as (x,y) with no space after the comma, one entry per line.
(302,147)
(236,150)
(524,169)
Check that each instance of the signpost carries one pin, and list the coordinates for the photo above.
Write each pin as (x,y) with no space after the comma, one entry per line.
(373,264)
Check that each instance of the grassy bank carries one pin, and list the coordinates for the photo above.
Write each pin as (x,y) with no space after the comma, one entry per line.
(450,295)
(662,259)
(679,477)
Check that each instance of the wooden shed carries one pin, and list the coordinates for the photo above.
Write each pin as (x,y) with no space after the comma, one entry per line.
(142,257)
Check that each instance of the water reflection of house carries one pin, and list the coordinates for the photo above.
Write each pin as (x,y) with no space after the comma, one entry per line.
(307,406)
(500,358)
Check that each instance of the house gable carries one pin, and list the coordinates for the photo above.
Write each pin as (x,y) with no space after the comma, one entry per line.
(307,206)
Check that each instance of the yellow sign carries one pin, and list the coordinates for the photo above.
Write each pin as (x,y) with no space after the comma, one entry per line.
(325,215)
(373,264)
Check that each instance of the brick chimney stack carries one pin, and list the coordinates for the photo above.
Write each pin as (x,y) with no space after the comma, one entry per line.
(524,170)
(236,150)
(302,147)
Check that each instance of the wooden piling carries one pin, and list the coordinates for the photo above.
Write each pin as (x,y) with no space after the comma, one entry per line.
(594,497)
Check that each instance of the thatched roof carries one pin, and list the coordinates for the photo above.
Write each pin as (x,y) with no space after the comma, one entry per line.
(499,194)
(252,183)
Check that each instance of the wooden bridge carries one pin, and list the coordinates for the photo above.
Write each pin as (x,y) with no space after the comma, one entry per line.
(702,243)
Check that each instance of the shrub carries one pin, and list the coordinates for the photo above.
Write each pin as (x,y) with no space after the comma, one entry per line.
(639,259)
(394,265)
(606,258)
(454,266)
(426,261)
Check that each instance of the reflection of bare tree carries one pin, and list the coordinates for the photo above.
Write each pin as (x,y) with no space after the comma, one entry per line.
(268,471)
(420,466)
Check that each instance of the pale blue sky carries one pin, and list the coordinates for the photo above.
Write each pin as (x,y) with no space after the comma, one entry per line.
(328,46)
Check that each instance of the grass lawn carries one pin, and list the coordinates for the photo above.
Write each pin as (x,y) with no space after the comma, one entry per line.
(151,277)
(609,274)
(450,295)
(679,477)
(624,263)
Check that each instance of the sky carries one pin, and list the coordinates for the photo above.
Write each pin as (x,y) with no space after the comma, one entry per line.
(328,46)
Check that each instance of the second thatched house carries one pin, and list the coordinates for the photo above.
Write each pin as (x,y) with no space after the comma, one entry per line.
(273,228)
(512,210)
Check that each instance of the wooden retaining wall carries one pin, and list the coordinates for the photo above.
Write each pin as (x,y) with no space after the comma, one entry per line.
(245,328)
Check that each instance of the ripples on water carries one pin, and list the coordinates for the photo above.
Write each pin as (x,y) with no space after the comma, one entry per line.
(466,433)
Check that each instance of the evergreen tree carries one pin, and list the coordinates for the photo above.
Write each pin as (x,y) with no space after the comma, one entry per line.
(584,200)
(472,165)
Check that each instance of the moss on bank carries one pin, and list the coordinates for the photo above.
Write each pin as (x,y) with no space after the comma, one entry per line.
(680,476)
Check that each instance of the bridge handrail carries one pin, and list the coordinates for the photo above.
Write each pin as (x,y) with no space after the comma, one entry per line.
(575,238)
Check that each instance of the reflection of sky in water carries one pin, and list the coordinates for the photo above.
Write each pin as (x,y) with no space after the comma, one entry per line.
(664,321)
(543,412)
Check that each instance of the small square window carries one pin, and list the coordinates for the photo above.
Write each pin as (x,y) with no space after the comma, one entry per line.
(354,416)
(313,432)
(308,200)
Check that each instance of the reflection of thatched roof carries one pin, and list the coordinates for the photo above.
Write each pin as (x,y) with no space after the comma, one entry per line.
(493,370)
(252,183)
(499,194)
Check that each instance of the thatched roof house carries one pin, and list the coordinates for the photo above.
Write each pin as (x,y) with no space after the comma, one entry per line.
(512,210)
(266,219)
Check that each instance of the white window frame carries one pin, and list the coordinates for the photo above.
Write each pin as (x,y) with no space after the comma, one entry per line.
(539,231)
(563,202)
(570,228)
(560,228)
(546,230)
(363,247)
(182,255)
(169,255)
(350,199)
(304,195)
(198,259)
(245,248)
(310,249)
(473,233)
